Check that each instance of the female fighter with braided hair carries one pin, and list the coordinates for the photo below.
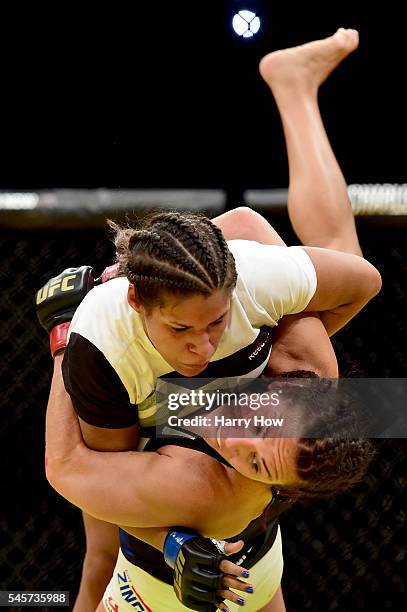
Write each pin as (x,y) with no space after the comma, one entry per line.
(229,487)
(192,322)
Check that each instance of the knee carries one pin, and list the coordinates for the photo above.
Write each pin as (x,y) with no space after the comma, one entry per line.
(245,214)
(250,222)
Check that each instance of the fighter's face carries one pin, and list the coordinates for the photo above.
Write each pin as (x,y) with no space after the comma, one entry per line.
(186,331)
(268,460)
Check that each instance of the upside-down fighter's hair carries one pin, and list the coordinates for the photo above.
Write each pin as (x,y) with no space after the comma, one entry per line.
(333,450)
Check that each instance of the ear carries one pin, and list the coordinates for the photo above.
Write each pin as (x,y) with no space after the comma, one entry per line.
(133,300)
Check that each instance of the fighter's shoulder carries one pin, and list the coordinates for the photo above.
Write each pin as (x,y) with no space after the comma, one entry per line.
(104,297)
(248,253)
(110,291)
(101,308)
(262,266)
(243,248)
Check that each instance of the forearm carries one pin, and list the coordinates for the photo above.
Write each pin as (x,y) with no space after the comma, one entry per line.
(333,320)
(346,283)
(154,536)
(108,486)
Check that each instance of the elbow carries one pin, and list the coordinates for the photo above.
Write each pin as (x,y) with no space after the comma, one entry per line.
(242,213)
(63,482)
(61,474)
(248,220)
(54,480)
(379,282)
(54,474)
(365,284)
(49,469)
(374,283)
(244,223)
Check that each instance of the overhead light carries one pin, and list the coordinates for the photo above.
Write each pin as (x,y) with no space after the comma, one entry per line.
(246,23)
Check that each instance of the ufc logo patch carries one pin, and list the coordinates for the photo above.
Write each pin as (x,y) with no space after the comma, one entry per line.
(56,284)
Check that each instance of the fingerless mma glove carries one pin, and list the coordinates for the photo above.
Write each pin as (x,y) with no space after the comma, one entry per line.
(195,561)
(58,299)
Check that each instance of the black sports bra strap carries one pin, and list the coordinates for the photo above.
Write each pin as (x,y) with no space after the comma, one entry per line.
(182,437)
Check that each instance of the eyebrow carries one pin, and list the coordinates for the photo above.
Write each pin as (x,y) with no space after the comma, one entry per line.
(188,326)
(265,467)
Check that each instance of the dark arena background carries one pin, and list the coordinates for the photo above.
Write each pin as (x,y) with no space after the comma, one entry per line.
(119,112)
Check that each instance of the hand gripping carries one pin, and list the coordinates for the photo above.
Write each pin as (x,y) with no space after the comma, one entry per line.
(197,576)
(58,299)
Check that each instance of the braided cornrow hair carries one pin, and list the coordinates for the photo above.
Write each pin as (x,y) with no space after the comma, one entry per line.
(332,455)
(174,252)
(328,466)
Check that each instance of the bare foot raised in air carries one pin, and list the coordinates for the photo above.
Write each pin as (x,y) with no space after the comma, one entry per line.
(305,67)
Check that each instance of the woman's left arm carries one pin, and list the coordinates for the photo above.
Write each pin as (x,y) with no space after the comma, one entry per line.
(105,484)
(346,282)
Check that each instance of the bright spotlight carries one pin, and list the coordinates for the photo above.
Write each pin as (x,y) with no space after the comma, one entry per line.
(246,23)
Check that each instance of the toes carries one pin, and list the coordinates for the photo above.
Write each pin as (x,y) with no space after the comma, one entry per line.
(348,36)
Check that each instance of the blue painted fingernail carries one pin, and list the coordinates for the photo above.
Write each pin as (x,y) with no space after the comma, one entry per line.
(245,574)
(249,590)
(241,601)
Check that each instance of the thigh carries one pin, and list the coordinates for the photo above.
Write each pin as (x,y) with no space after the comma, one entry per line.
(275,605)
(265,577)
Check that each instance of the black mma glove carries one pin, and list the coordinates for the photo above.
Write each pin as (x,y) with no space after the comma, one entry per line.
(58,299)
(195,561)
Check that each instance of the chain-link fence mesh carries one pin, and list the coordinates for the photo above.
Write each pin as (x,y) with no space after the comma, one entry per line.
(347,554)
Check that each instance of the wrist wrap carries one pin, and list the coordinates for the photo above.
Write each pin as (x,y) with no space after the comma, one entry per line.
(58,338)
(173,543)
